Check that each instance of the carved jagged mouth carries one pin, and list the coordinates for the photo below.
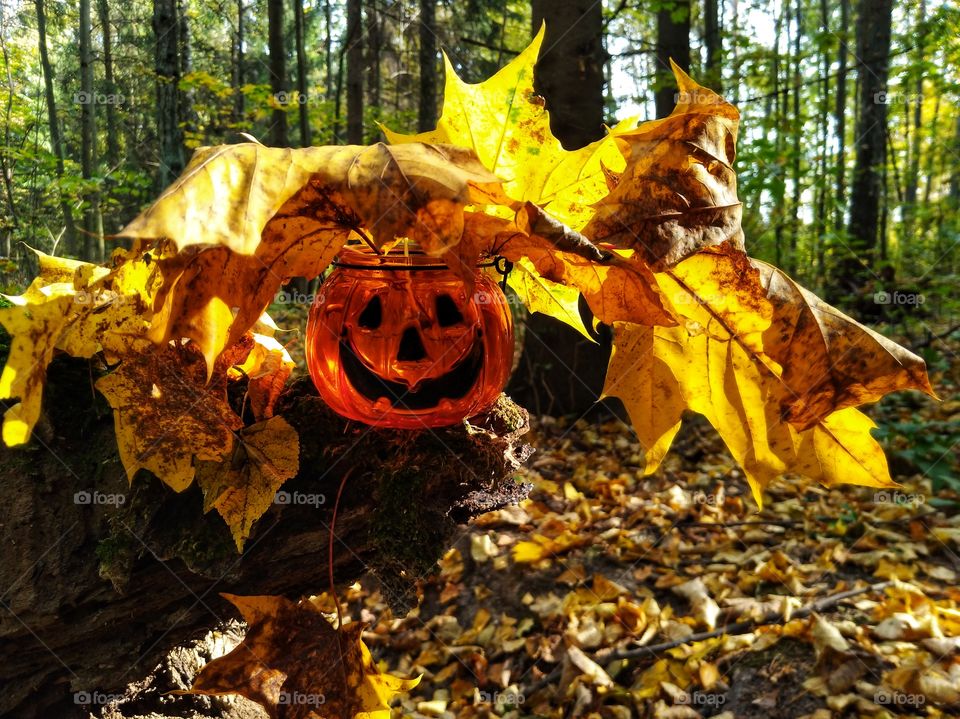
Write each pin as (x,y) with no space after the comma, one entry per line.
(455,384)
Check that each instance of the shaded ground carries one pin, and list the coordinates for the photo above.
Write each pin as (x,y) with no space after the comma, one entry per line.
(562,607)
(532,611)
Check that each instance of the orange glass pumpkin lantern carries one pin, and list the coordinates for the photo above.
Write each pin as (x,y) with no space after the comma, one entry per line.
(396,340)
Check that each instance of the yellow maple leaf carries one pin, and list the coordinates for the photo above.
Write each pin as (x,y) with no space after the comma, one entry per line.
(292,661)
(715,363)
(73,306)
(506,124)
(546,296)
(243,489)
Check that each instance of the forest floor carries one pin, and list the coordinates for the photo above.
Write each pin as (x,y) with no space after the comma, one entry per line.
(609,595)
(562,606)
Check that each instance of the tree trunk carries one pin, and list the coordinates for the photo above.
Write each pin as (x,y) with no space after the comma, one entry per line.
(779,190)
(569,73)
(56,143)
(92,240)
(355,72)
(673,42)
(560,372)
(373,49)
(109,87)
(5,165)
(873,49)
(713,41)
(912,182)
(238,71)
(823,137)
(97,590)
(427,109)
(303,99)
(797,152)
(186,97)
(840,116)
(167,65)
(328,46)
(278,73)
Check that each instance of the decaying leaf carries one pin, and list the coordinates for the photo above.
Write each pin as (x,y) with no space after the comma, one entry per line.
(267,455)
(297,666)
(267,369)
(678,193)
(165,413)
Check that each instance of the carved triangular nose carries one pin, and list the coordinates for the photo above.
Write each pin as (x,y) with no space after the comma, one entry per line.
(411,346)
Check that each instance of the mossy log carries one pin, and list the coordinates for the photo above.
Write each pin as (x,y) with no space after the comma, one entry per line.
(94,592)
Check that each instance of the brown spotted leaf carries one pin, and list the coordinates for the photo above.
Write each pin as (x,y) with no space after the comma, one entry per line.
(244,488)
(165,413)
(678,192)
(297,666)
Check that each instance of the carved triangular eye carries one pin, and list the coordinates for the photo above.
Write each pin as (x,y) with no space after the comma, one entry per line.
(447,312)
(372,314)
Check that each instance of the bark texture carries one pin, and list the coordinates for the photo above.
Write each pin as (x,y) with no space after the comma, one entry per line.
(866,188)
(95,593)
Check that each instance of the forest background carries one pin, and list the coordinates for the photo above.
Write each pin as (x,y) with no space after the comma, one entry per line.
(848,158)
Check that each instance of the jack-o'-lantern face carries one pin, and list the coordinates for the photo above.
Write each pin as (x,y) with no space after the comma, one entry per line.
(405,345)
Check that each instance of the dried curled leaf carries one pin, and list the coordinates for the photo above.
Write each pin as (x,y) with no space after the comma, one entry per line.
(267,455)
(830,360)
(267,369)
(678,193)
(296,665)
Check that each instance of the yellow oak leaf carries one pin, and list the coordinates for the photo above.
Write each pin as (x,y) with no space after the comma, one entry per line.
(243,489)
(296,665)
